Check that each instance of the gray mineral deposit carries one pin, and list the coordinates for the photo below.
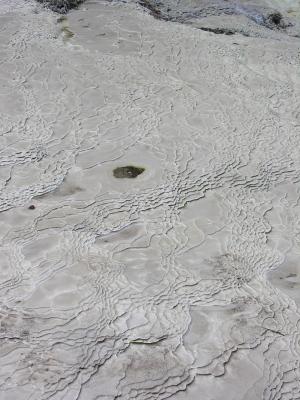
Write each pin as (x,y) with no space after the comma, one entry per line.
(149,200)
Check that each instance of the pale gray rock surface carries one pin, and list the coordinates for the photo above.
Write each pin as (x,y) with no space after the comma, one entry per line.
(182,282)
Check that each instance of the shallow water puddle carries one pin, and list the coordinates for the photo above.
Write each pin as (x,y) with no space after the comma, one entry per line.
(128,171)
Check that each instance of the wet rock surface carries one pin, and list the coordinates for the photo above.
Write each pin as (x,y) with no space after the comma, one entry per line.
(183,282)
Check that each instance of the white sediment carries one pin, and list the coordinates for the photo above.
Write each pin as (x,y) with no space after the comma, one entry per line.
(184,281)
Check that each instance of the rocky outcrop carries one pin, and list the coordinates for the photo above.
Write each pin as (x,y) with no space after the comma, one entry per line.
(61,6)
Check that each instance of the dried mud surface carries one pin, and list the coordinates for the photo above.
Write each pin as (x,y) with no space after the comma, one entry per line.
(184,281)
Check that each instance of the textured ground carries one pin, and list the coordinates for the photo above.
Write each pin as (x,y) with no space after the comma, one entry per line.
(183,281)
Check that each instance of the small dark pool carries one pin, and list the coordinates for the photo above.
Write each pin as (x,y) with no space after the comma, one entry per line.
(129,171)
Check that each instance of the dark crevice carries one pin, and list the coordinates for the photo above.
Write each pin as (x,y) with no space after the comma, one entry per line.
(275,18)
(219,31)
(153,9)
(276,21)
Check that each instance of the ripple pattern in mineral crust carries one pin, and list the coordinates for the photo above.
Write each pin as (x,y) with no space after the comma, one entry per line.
(183,282)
